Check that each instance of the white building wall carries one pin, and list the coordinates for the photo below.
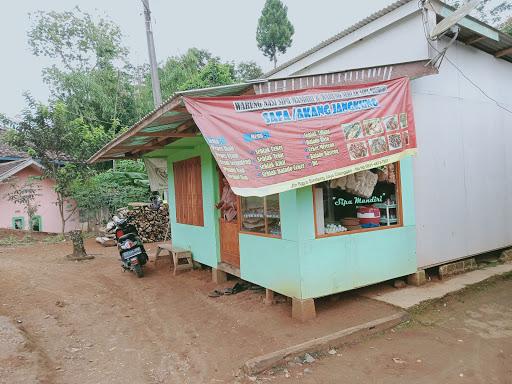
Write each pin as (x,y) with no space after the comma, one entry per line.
(463,170)
(397,34)
(402,40)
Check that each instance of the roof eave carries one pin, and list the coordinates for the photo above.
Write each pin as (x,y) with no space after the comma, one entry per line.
(174,102)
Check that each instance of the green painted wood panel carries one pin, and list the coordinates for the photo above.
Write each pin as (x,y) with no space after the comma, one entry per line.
(203,242)
(297,265)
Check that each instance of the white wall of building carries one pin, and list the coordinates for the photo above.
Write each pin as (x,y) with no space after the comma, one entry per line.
(404,39)
(463,170)
(398,34)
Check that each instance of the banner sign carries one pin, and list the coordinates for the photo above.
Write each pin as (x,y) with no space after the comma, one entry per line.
(275,143)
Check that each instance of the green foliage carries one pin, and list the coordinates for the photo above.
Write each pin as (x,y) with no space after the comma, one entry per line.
(60,143)
(94,95)
(52,135)
(275,31)
(14,241)
(112,189)
(73,37)
(506,27)
(212,74)
(493,12)
(248,70)
(85,76)
(196,68)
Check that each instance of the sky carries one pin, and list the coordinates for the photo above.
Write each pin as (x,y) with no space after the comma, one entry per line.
(226,28)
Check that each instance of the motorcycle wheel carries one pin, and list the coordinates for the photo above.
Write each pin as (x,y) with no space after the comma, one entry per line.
(138,270)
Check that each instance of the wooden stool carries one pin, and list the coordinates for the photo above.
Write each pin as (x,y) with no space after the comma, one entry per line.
(163,247)
(178,254)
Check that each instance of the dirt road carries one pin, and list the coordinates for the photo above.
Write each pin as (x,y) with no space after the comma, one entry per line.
(464,338)
(87,322)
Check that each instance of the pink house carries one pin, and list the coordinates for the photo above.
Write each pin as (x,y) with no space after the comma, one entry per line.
(47,218)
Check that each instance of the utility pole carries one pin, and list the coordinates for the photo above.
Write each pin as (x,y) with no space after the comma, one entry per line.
(155,81)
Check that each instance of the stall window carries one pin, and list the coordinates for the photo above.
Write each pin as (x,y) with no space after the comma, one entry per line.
(367,200)
(188,191)
(261,215)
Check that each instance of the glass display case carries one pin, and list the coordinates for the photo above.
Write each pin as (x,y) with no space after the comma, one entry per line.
(365,200)
(261,215)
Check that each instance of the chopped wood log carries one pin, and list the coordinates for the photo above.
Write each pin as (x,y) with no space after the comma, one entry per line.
(152,224)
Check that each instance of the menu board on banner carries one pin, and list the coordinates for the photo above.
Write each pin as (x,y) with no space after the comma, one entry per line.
(274,143)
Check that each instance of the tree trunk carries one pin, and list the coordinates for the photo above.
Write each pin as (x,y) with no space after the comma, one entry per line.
(275,61)
(78,247)
(78,244)
(60,204)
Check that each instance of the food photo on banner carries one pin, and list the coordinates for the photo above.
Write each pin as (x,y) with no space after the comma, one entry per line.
(274,143)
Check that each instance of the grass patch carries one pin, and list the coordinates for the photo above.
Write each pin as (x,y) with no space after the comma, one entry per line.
(16,241)
(53,239)
(13,241)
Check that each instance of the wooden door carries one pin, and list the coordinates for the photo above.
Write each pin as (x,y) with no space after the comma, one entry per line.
(229,245)
(229,230)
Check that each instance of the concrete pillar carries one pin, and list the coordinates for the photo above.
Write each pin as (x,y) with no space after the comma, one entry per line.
(269,297)
(303,309)
(219,276)
(418,278)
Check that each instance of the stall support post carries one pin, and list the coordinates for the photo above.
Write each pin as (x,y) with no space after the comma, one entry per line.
(303,309)
(418,278)
(219,276)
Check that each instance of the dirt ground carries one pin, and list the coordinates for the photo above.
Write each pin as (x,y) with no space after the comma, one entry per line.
(88,322)
(464,338)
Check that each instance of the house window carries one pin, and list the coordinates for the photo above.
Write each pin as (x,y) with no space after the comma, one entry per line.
(364,201)
(188,191)
(18,222)
(261,215)
(36,224)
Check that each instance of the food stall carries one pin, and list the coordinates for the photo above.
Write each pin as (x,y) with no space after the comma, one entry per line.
(322,175)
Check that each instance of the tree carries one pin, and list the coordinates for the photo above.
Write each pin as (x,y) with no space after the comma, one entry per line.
(248,70)
(25,195)
(275,31)
(212,74)
(61,144)
(112,189)
(91,74)
(506,27)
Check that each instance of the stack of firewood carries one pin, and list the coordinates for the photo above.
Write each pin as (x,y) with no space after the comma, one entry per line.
(152,224)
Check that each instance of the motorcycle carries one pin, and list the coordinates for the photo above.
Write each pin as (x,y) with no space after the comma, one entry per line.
(132,252)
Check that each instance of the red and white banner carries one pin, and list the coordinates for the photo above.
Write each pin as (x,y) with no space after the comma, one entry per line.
(274,143)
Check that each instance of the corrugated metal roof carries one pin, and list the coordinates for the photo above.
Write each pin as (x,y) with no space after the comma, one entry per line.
(149,122)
